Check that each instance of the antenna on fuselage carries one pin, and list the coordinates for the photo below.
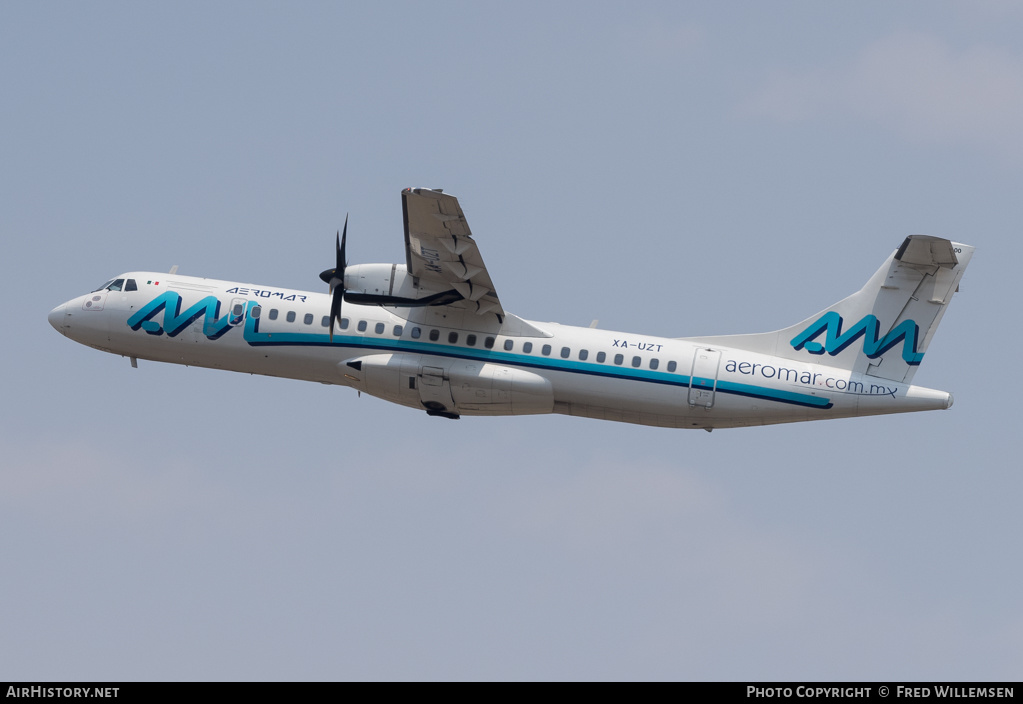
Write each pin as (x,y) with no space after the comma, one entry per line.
(174,270)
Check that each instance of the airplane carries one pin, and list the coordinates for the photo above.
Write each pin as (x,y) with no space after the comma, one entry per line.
(432,334)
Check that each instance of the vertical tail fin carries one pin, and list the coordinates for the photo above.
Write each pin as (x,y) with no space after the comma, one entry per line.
(884,328)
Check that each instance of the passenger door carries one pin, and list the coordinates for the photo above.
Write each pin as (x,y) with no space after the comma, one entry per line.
(703,377)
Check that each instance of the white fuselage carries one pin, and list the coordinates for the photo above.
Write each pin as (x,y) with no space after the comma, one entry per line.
(425,358)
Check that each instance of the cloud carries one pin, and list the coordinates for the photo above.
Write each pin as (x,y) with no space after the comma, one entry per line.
(915,85)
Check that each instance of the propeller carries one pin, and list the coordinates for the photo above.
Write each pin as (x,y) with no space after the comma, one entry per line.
(335,278)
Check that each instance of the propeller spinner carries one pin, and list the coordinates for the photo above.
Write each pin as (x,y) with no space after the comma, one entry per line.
(335,279)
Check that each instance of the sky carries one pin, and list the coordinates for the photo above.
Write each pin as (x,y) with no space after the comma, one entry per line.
(673,169)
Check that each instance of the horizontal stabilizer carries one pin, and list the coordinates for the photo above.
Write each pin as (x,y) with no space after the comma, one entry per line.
(923,250)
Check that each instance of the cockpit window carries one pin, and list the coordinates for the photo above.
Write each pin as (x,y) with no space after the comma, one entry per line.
(103,287)
(129,285)
(116,285)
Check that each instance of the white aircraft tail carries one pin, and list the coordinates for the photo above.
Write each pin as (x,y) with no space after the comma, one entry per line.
(884,328)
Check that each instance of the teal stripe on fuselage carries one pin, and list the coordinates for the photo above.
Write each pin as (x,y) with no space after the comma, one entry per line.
(256,338)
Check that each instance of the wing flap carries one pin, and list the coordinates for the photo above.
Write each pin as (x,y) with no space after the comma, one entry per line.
(441,252)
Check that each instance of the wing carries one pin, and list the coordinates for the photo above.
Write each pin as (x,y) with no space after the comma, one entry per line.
(441,253)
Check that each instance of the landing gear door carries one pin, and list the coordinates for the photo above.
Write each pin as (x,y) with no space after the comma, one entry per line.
(703,379)
(435,390)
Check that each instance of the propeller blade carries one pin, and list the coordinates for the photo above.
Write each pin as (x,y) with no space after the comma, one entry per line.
(335,278)
(342,260)
(335,308)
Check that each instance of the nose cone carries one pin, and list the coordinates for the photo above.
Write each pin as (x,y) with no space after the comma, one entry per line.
(56,318)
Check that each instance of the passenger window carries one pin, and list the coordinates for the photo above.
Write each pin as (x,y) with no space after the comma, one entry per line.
(416,332)
(397,331)
(583,354)
(379,328)
(527,347)
(671,366)
(636,361)
(273,314)
(362,326)
(291,316)
(619,359)
(654,363)
(546,350)
(508,345)
(345,323)
(601,357)
(255,312)
(565,352)
(130,285)
(488,342)
(307,318)
(434,335)
(325,321)
(452,337)
(470,340)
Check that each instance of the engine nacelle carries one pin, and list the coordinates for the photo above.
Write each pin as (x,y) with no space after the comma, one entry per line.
(391,285)
(379,280)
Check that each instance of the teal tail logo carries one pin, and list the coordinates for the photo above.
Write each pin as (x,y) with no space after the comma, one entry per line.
(835,340)
(174,321)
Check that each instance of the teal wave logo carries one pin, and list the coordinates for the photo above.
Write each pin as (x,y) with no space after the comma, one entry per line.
(836,339)
(175,320)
